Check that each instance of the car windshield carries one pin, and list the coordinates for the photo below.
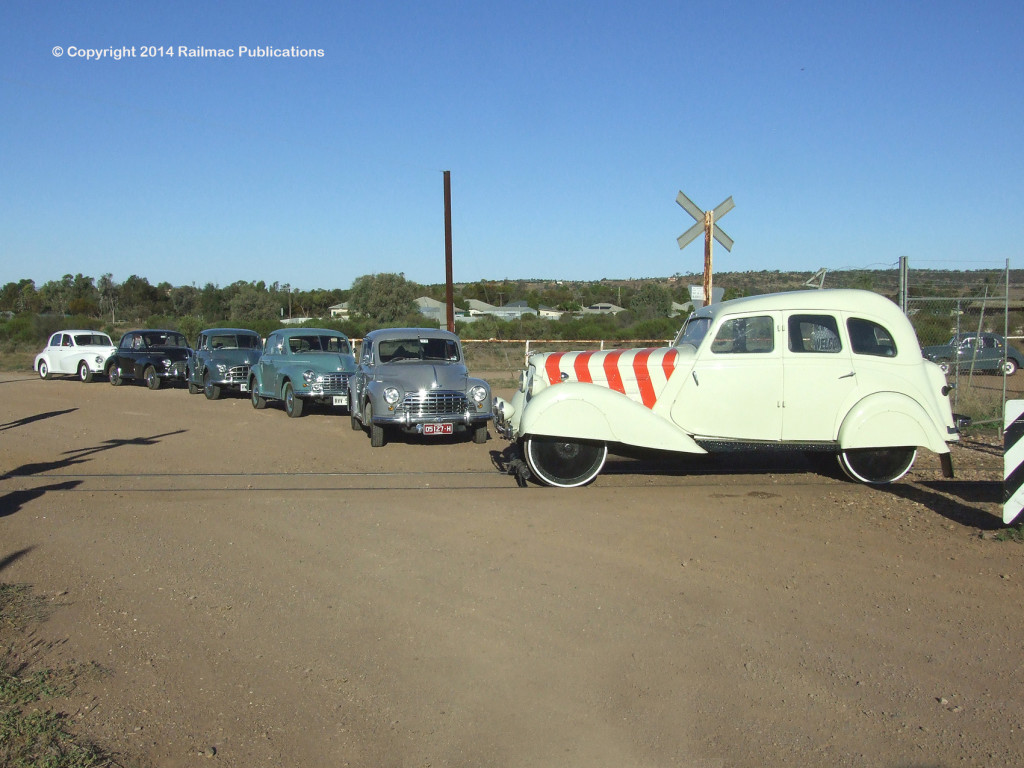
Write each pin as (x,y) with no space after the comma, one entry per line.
(303,344)
(164,339)
(693,331)
(93,339)
(231,341)
(397,350)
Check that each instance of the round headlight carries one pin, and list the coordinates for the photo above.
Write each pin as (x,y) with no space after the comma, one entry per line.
(221,368)
(479,394)
(309,376)
(391,395)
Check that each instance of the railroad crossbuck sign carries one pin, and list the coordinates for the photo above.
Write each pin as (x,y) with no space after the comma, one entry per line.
(1013,459)
(706,223)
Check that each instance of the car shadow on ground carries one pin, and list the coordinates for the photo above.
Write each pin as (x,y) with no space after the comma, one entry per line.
(956,500)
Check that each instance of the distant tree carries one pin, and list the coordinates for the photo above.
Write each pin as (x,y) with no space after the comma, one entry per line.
(650,301)
(385,298)
(110,294)
(251,302)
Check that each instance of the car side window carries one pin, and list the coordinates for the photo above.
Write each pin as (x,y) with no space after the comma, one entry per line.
(814,333)
(745,335)
(869,338)
(66,340)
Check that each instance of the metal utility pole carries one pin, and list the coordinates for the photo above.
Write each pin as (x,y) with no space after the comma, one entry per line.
(706,224)
(449,292)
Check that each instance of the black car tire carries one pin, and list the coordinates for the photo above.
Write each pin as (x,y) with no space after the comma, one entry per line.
(258,401)
(211,390)
(376,430)
(292,403)
(84,372)
(152,380)
(564,463)
(114,376)
(1010,367)
(877,466)
(357,426)
(192,388)
(44,370)
(480,434)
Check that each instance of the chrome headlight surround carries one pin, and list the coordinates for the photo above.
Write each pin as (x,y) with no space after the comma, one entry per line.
(391,395)
(478,394)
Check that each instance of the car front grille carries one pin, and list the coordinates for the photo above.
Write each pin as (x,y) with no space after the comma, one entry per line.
(435,403)
(239,374)
(332,384)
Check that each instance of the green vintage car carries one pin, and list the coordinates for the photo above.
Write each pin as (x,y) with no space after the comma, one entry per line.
(300,366)
(221,361)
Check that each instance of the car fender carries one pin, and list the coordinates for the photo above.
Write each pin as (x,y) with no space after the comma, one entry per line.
(889,419)
(593,412)
(41,359)
(256,380)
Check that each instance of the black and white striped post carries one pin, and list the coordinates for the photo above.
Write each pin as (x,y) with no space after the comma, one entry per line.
(1013,460)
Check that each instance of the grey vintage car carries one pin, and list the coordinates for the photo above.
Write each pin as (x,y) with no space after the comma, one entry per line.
(415,380)
(301,365)
(221,360)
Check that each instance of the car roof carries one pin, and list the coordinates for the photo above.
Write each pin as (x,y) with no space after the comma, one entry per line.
(403,333)
(209,331)
(79,330)
(308,332)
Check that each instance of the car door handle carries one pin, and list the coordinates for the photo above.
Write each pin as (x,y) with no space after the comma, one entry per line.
(848,375)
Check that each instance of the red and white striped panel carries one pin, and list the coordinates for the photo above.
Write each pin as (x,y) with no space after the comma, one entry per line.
(640,374)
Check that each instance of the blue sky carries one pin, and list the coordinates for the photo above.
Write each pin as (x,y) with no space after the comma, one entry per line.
(848,135)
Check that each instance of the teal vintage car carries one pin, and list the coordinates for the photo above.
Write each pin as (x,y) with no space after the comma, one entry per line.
(300,366)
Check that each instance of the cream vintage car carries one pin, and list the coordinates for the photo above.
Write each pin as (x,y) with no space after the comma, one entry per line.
(834,371)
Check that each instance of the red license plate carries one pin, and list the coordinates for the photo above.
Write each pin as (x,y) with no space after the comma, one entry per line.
(437,429)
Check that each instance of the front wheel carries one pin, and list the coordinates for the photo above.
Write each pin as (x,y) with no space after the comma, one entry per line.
(357,425)
(84,372)
(258,401)
(152,380)
(564,463)
(193,389)
(376,430)
(292,404)
(44,370)
(1009,367)
(211,390)
(114,375)
(877,466)
(480,434)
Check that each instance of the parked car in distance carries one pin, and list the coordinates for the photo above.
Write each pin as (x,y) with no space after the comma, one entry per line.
(75,352)
(415,380)
(973,351)
(829,371)
(151,355)
(302,365)
(221,360)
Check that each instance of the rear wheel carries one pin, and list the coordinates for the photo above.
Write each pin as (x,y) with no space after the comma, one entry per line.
(292,404)
(376,430)
(258,402)
(1009,367)
(152,380)
(877,466)
(211,390)
(564,463)
(84,372)
(44,370)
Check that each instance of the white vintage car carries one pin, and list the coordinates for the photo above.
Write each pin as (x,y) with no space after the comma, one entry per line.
(78,353)
(835,371)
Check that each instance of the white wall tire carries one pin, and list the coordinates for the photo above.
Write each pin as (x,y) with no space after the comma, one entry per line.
(564,463)
(877,466)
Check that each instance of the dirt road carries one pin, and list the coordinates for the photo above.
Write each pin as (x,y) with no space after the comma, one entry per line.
(272,591)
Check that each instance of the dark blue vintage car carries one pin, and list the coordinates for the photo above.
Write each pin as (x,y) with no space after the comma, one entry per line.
(302,365)
(973,351)
(221,360)
(151,355)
